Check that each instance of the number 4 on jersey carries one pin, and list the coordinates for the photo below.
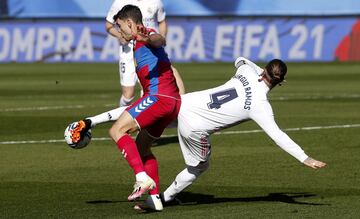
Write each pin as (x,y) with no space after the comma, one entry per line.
(221,97)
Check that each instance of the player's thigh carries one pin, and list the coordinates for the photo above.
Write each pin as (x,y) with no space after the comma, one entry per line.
(125,124)
(142,111)
(195,145)
(167,111)
(200,168)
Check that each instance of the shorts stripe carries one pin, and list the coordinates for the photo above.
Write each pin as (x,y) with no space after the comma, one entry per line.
(142,106)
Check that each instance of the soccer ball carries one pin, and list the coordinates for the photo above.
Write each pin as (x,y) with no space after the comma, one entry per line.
(76,142)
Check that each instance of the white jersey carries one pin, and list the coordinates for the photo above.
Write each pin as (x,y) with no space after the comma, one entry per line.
(241,98)
(153,13)
(151,10)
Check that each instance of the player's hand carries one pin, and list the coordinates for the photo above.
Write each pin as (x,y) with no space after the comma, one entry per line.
(142,34)
(315,164)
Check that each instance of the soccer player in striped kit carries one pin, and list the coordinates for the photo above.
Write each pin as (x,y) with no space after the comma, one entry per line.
(154,111)
(154,17)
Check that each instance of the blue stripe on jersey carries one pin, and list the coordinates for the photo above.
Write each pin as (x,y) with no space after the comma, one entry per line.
(154,81)
(145,57)
(142,106)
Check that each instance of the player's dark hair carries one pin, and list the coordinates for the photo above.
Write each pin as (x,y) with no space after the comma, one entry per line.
(276,70)
(129,12)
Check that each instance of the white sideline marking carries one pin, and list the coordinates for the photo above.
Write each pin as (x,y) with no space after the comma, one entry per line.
(280,98)
(41,108)
(314,97)
(217,133)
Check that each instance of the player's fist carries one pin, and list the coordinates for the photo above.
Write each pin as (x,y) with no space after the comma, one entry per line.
(315,164)
(142,30)
(142,34)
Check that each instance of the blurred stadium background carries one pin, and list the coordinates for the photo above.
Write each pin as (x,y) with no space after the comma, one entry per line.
(201,31)
(58,65)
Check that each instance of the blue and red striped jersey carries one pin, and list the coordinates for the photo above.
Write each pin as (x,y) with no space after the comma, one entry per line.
(153,69)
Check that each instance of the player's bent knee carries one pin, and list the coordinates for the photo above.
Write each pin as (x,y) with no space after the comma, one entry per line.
(128,92)
(116,132)
(124,125)
(112,133)
(199,169)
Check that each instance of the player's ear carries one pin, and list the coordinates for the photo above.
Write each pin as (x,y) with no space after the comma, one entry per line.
(262,75)
(128,23)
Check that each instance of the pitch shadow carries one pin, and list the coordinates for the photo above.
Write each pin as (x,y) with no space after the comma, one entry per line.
(95,202)
(188,198)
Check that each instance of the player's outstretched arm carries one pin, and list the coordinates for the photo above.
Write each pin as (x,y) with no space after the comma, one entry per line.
(315,164)
(263,116)
(179,81)
(163,28)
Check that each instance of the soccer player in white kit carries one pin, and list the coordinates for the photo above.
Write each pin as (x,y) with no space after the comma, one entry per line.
(242,98)
(154,18)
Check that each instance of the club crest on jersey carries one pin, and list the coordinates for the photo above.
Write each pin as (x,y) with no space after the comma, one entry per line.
(142,105)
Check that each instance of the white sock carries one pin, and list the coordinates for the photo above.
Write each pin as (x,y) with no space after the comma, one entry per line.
(155,197)
(157,202)
(106,116)
(182,180)
(125,101)
(153,202)
(142,176)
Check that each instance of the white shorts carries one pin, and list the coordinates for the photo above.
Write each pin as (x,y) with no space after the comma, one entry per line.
(195,145)
(128,77)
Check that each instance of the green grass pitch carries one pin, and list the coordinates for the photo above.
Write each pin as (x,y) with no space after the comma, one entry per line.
(249,176)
